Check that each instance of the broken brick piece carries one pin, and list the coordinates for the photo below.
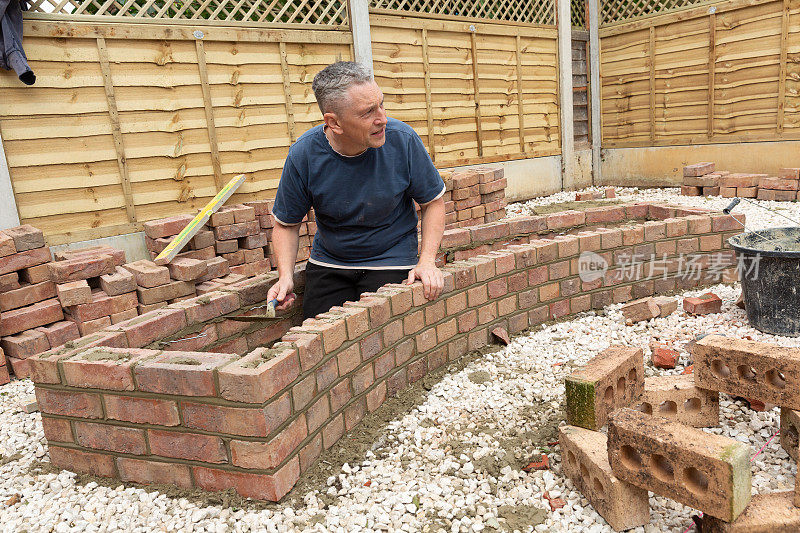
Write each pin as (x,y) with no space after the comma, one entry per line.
(773,512)
(663,356)
(790,431)
(502,335)
(612,379)
(584,459)
(678,398)
(702,305)
(74,293)
(543,463)
(666,305)
(118,282)
(639,310)
(708,472)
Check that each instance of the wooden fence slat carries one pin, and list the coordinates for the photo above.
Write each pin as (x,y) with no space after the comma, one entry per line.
(712,68)
(783,71)
(116,132)
(212,129)
(426,67)
(520,95)
(652,59)
(287,93)
(478,128)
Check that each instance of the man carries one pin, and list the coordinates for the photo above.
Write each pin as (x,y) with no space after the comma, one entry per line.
(360,171)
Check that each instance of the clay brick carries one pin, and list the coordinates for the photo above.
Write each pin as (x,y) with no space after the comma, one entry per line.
(92,326)
(333,431)
(25,237)
(790,431)
(526,225)
(612,379)
(268,455)
(227,247)
(27,295)
(355,413)
(584,458)
(30,317)
(208,307)
(414,322)
(747,192)
(679,399)
(110,438)
(77,404)
(97,464)
(6,245)
(141,410)
(147,274)
(376,397)
(149,472)
(309,347)
(708,472)
(780,184)
(123,316)
(74,293)
(639,310)
(166,227)
(605,215)
(9,282)
(259,376)
(20,367)
(184,373)
(81,269)
(246,422)
(259,486)
(766,513)
(153,326)
(689,190)
(565,219)
(236,230)
(169,291)
(25,344)
(83,253)
(25,260)
(60,333)
(57,429)
(698,169)
(727,192)
(187,269)
(104,368)
(189,446)
(702,305)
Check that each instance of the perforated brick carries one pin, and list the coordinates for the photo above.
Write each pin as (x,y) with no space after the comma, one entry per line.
(677,398)
(767,513)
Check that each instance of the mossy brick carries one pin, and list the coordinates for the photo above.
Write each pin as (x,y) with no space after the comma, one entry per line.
(68,403)
(584,460)
(612,379)
(104,368)
(180,373)
(269,455)
(187,446)
(237,421)
(138,410)
(750,369)
(270,487)
(27,294)
(259,376)
(33,316)
(110,438)
(96,464)
(707,472)
(26,260)
(678,398)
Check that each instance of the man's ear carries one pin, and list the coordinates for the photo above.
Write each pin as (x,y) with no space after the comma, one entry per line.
(332,122)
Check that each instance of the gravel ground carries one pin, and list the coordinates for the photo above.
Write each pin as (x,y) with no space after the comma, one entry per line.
(450,464)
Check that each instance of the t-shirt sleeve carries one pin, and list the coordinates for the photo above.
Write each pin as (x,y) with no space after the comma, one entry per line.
(292,200)
(426,183)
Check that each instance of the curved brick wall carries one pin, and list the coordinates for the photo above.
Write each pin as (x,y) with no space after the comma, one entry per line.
(131,402)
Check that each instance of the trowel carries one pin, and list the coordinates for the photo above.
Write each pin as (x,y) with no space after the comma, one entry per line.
(269,314)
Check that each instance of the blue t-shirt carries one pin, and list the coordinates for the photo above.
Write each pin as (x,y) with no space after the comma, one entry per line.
(363,204)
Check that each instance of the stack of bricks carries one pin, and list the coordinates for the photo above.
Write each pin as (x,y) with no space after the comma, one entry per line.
(31,318)
(701,179)
(474,196)
(254,422)
(783,188)
(155,287)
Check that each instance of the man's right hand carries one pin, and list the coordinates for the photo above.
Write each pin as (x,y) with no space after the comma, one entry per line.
(282,291)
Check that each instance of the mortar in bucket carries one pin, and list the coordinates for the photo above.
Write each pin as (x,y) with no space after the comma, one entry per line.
(769,270)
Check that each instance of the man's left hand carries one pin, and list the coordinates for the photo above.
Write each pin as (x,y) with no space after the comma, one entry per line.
(431,277)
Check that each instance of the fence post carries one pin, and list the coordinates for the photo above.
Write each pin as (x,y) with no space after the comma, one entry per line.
(359,25)
(9,216)
(594,87)
(565,91)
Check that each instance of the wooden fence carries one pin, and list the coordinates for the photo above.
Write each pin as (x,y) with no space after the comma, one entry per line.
(712,74)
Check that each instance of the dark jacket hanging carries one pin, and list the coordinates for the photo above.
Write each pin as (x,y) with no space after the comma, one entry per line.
(12,56)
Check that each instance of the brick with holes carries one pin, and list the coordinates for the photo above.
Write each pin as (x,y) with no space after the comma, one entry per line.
(755,370)
(678,398)
(790,431)
(708,472)
(612,379)
(584,459)
(767,513)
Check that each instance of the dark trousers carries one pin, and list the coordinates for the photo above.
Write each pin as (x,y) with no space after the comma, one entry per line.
(327,287)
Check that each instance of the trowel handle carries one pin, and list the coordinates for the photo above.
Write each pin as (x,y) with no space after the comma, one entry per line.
(733,204)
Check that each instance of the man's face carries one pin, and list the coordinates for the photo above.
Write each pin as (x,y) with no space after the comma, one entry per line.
(361,119)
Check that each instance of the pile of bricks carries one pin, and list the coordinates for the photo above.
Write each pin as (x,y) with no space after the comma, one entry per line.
(474,196)
(31,317)
(654,447)
(701,179)
(608,192)
(187,395)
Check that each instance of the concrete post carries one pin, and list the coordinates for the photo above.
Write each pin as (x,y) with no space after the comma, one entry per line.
(565,91)
(359,25)
(9,216)
(594,88)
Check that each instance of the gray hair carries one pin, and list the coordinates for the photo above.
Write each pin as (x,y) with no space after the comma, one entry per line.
(331,83)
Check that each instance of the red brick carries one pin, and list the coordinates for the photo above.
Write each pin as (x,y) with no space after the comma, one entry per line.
(663,356)
(333,431)
(378,307)
(268,455)
(703,305)
(152,326)
(74,293)
(404,351)
(565,219)
(27,295)
(246,422)
(236,231)
(103,305)
(309,347)
(6,245)
(333,331)
(96,464)
(92,326)
(149,472)
(189,446)
(166,227)
(259,376)
(9,282)
(454,238)
(25,260)
(104,368)
(182,373)
(30,317)
(25,237)
(417,369)
(57,429)
(268,333)
(81,269)
(355,413)
(25,344)
(340,395)
(376,397)
(77,404)
(396,382)
(259,486)
(20,367)
(147,274)
(110,438)
(175,289)
(123,316)
(141,410)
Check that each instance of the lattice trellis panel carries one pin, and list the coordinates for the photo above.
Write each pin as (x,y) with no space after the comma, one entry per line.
(530,11)
(578,13)
(327,12)
(619,10)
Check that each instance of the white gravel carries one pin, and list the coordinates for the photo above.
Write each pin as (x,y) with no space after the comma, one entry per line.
(428,471)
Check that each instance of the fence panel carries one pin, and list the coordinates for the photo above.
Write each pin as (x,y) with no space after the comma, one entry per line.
(727,74)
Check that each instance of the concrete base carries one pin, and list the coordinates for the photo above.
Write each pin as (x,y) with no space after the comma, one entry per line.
(660,166)
(131,243)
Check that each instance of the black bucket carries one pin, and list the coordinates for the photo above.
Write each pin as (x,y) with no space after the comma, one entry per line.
(769,269)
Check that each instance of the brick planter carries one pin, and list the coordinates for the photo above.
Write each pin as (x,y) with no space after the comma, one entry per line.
(184,395)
